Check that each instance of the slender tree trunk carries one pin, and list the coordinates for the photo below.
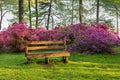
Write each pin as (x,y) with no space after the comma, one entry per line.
(2,14)
(97,11)
(21,11)
(80,11)
(117,22)
(30,22)
(0,17)
(52,21)
(0,25)
(36,11)
(72,11)
(117,18)
(49,13)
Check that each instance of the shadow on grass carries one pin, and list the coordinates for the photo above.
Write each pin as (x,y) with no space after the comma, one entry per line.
(19,60)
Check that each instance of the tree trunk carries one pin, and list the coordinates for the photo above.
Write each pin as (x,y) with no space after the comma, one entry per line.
(36,11)
(72,11)
(0,25)
(52,21)
(21,10)
(0,17)
(117,19)
(30,22)
(97,12)
(80,11)
(49,13)
(117,22)
(2,14)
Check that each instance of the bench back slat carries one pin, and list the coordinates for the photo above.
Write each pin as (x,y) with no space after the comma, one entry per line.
(44,47)
(44,42)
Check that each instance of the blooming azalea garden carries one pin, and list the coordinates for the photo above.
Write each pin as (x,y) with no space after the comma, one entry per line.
(89,39)
(97,39)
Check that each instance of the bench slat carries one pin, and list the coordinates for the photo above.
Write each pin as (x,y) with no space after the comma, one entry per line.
(48,55)
(44,47)
(44,42)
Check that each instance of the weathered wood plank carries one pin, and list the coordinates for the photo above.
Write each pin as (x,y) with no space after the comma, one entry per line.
(44,47)
(44,42)
(45,55)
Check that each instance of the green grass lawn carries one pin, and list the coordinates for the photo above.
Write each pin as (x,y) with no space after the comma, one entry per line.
(80,67)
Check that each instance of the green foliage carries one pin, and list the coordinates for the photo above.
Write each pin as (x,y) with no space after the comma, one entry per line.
(111,5)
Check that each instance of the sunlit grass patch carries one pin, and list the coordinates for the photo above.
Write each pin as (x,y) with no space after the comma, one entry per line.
(80,67)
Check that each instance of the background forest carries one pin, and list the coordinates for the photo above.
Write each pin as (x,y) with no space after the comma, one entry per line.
(51,13)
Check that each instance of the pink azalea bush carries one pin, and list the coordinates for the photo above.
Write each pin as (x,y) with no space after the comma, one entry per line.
(14,37)
(95,38)
(1,40)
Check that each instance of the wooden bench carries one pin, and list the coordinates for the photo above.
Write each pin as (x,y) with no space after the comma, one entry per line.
(46,49)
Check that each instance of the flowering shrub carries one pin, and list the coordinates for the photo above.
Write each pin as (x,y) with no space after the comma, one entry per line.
(14,37)
(1,40)
(70,32)
(95,38)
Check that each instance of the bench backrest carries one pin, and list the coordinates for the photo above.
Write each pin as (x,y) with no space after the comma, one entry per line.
(45,45)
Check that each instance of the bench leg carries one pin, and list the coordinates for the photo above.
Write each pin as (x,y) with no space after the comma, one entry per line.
(63,58)
(66,59)
(47,60)
(28,60)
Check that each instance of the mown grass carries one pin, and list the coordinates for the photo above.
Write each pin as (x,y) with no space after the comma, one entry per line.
(80,67)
